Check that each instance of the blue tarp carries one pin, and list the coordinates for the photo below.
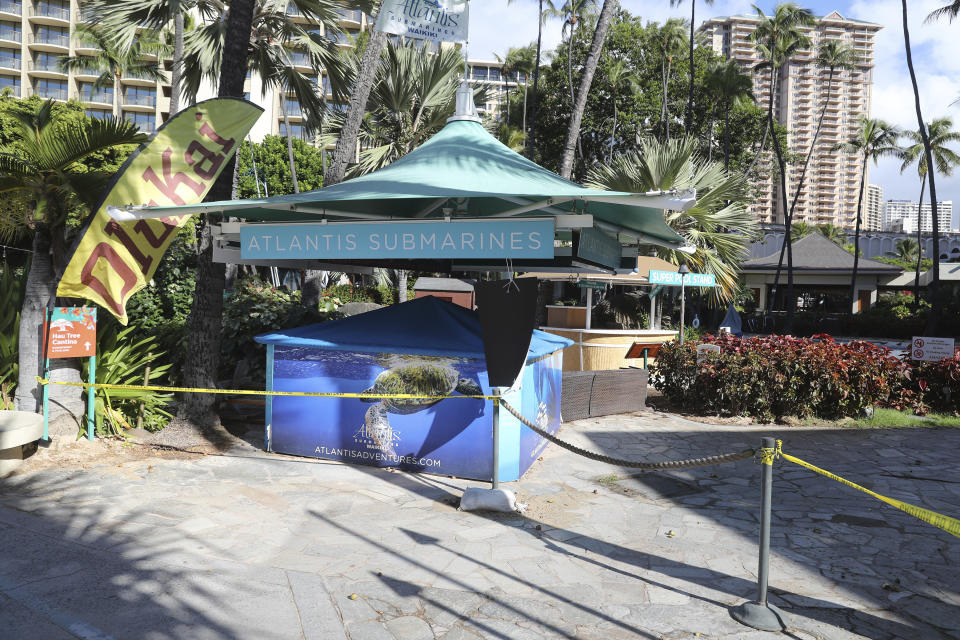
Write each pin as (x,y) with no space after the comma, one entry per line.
(425,326)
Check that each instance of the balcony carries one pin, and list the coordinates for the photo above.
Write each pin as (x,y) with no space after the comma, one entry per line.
(47,93)
(300,60)
(293,11)
(138,78)
(8,8)
(347,15)
(47,66)
(140,100)
(11,36)
(49,41)
(46,13)
(98,97)
(9,63)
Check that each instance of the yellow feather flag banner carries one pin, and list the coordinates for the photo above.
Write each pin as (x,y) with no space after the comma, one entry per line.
(113,260)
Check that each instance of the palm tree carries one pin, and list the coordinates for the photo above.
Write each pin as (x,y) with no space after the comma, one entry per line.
(619,75)
(801,230)
(730,87)
(873,140)
(522,61)
(206,314)
(114,62)
(411,99)
(940,134)
(583,89)
(906,250)
(693,18)
(671,38)
(44,168)
(541,18)
(571,12)
(832,233)
(949,11)
(777,38)
(719,225)
(123,20)
(934,317)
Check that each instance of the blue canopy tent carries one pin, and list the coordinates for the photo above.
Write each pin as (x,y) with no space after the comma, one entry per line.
(423,346)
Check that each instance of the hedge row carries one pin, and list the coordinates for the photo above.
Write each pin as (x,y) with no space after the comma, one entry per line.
(776,376)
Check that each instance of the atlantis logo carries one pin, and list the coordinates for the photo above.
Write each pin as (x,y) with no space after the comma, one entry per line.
(366,438)
(433,11)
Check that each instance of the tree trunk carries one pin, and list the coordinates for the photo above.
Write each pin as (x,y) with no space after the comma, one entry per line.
(589,68)
(206,315)
(856,237)
(116,95)
(713,122)
(536,85)
(346,148)
(286,124)
(916,282)
(177,70)
(726,137)
(663,102)
(666,101)
(613,129)
(39,292)
(570,68)
(934,317)
(693,11)
(524,106)
(402,275)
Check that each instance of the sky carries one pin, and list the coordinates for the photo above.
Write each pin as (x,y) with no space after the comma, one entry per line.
(936,56)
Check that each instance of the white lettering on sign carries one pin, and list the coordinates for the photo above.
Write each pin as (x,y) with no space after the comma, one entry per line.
(928,349)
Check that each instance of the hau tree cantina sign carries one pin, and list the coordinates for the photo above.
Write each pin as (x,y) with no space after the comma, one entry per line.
(408,239)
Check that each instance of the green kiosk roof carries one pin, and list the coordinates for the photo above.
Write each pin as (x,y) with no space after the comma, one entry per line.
(464,170)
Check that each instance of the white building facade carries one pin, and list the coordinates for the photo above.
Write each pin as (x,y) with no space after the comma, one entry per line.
(901,216)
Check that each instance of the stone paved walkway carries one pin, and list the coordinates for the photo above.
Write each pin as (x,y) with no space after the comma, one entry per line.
(250,545)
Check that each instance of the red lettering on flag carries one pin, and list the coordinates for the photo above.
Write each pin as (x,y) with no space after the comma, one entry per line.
(105,251)
(170,181)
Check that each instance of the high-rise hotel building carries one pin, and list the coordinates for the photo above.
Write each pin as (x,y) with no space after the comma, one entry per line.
(832,183)
(36,36)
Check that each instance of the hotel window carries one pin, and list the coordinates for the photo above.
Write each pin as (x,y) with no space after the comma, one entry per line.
(9,59)
(59,36)
(47,62)
(47,88)
(12,83)
(146,121)
(11,31)
(102,114)
(296,131)
(53,9)
(143,96)
(103,94)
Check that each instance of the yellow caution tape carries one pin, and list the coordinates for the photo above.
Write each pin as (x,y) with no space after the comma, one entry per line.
(948,524)
(251,392)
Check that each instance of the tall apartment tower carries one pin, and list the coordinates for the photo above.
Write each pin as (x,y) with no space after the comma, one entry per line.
(901,216)
(873,208)
(832,184)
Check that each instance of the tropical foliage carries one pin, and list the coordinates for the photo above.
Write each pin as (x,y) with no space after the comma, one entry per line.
(719,225)
(273,167)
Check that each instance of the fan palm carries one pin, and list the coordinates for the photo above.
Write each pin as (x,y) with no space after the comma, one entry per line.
(542,15)
(412,97)
(44,168)
(873,140)
(940,134)
(729,86)
(671,38)
(114,62)
(571,12)
(719,225)
(693,16)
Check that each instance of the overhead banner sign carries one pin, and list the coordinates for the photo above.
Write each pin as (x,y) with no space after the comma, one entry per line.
(672,279)
(597,247)
(399,240)
(113,260)
(437,20)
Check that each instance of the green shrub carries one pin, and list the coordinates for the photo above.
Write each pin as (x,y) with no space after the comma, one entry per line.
(939,382)
(253,308)
(776,376)
(11,290)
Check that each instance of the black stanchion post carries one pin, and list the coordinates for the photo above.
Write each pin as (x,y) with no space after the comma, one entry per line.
(761,614)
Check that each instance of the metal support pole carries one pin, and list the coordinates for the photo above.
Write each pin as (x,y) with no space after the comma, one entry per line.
(683,307)
(496,440)
(761,614)
(91,395)
(589,306)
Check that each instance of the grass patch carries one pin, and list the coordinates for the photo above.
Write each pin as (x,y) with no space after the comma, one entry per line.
(608,480)
(891,418)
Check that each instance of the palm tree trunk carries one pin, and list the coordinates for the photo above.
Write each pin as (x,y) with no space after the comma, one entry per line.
(286,124)
(524,106)
(726,137)
(116,95)
(856,238)
(346,148)
(177,71)
(570,67)
(934,317)
(916,282)
(693,11)
(613,130)
(713,121)
(589,68)
(786,235)
(402,275)
(206,315)
(536,84)
(666,98)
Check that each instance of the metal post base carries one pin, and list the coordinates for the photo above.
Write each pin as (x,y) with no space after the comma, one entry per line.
(764,617)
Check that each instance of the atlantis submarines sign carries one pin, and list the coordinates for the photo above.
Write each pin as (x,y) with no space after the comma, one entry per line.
(437,20)
(499,239)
